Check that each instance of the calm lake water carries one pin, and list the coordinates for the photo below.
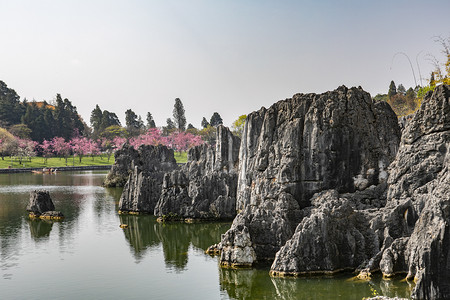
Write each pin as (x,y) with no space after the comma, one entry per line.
(87,256)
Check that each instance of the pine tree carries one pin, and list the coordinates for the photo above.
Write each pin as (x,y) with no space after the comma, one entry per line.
(179,115)
(150,121)
(132,122)
(392,89)
(204,123)
(96,119)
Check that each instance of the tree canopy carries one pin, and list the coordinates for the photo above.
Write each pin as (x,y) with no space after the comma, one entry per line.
(179,115)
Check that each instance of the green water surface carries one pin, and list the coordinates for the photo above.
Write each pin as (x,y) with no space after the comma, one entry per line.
(87,256)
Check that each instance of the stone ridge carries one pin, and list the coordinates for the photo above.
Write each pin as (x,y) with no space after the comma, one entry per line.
(205,187)
(148,164)
(401,228)
(300,146)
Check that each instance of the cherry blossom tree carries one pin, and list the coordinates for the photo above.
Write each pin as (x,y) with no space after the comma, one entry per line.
(47,150)
(61,147)
(25,149)
(181,141)
(81,146)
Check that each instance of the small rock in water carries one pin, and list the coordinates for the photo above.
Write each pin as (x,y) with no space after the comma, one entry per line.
(41,206)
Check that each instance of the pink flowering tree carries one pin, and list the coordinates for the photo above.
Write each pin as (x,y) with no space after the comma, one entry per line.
(181,141)
(47,150)
(61,147)
(25,149)
(94,148)
(81,146)
(151,137)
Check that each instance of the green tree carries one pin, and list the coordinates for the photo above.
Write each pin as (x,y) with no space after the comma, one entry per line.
(11,110)
(238,125)
(20,130)
(401,89)
(410,94)
(114,131)
(392,89)
(208,134)
(380,97)
(67,121)
(150,121)
(132,123)
(179,115)
(96,119)
(216,120)
(169,128)
(204,123)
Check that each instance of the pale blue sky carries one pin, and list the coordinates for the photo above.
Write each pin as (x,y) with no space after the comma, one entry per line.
(227,56)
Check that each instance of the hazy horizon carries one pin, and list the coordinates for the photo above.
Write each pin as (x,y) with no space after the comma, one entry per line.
(230,57)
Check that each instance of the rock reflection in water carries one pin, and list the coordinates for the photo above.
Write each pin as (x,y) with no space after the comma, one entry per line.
(40,229)
(141,234)
(257,284)
(144,233)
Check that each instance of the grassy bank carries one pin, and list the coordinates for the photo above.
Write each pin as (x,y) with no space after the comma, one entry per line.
(55,162)
(181,157)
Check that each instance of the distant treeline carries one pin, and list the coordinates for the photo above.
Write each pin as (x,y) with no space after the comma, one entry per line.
(38,120)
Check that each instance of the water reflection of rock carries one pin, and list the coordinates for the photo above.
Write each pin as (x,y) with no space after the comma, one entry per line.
(40,229)
(141,233)
(257,284)
(144,233)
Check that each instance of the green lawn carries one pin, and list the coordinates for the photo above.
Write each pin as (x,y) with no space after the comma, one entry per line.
(55,162)
(181,157)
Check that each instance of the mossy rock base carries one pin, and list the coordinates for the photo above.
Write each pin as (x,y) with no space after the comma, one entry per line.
(48,215)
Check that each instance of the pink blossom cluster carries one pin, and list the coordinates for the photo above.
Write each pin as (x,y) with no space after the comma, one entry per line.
(179,141)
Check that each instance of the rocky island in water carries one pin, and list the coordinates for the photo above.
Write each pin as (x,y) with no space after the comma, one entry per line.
(318,184)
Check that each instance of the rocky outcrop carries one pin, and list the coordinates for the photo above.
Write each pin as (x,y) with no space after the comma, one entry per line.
(41,206)
(124,158)
(404,230)
(421,174)
(337,140)
(205,187)
(143,187)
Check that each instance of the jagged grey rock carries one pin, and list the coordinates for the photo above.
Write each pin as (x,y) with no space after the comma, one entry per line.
(205,187)
(122,168)
(411,229)
(421,174)
(40,202)
(143,188)
(337,140)
(333,237)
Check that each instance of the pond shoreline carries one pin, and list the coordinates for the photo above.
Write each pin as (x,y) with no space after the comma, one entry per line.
(77,168)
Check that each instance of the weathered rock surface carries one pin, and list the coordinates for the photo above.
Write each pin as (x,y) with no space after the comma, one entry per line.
(421,174)
(143,187)
(334,237)
(205,187)
(122,168)
(337,140)
(409,234)
(40,202)
(41,206)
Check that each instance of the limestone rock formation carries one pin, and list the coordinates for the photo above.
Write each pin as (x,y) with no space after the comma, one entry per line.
(405,230)
(421,174)
(334,237)
(205,187)
(40,202)
(41,206)
(124,158)
(143,187)
(337,140)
